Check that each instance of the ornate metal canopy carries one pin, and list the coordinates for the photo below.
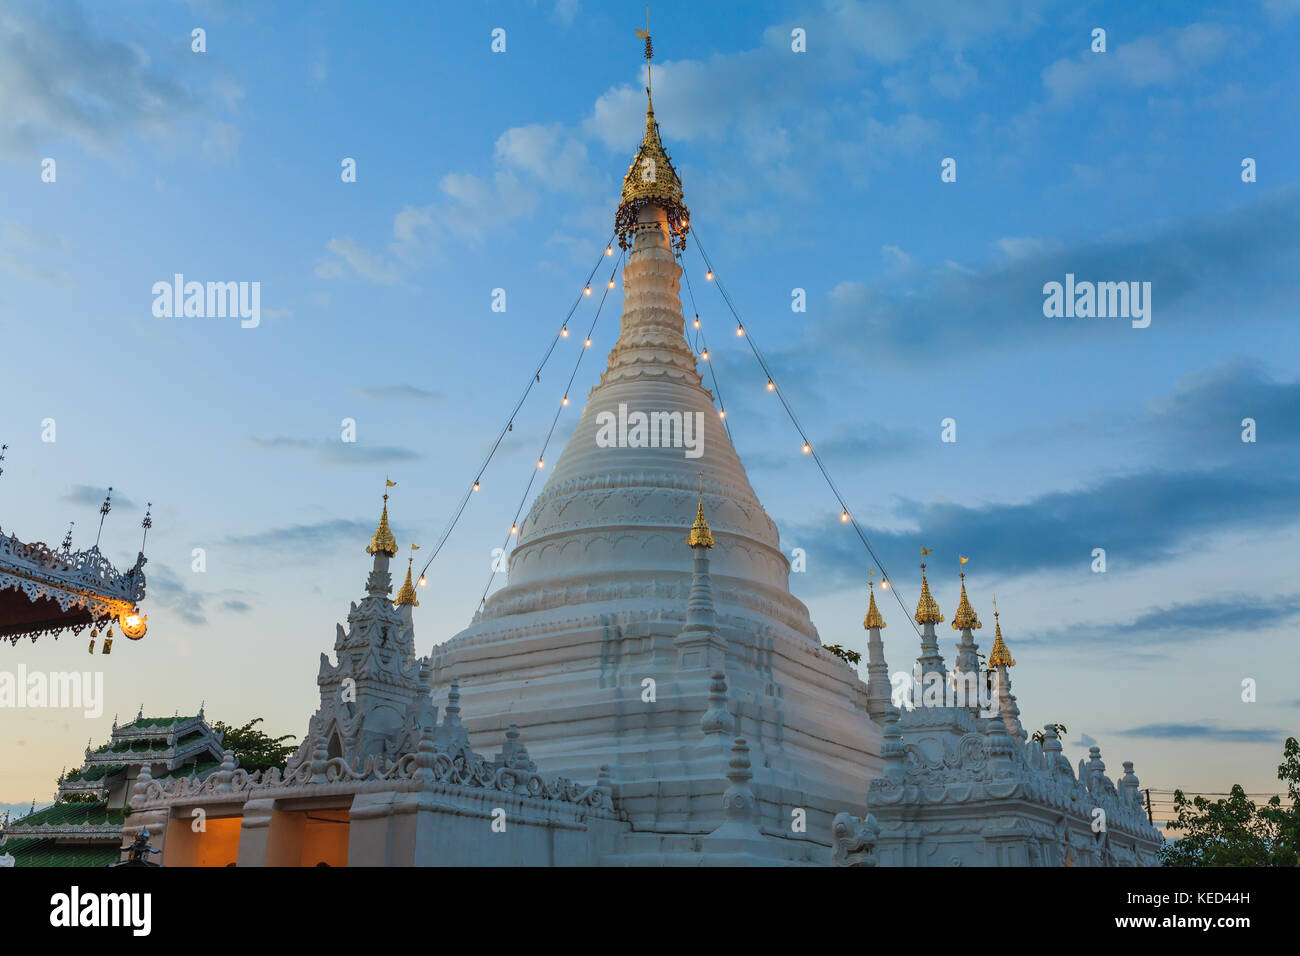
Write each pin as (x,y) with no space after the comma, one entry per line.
(45,591)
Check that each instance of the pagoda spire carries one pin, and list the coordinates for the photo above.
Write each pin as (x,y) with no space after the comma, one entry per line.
(383,542)
(406,594)
(700,536)
(699,644)
(928,615)
(651,179)
(384,547)
(878,687)
(1000,656)
(1000,660)
(966,620)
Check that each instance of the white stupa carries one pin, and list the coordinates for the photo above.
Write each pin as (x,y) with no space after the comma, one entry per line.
(657,694)
(596,604)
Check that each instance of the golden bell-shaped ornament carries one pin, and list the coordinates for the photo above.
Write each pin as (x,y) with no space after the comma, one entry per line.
(108,645)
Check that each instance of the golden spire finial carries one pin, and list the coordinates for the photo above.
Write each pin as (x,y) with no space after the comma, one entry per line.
(406,595)
(965,616)
(873,618)
(700,536)
(649,50)
(927,609)
(651,180)
(383,540)
(1000,656)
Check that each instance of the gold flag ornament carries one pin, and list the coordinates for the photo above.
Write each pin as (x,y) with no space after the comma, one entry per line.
(415,547)
(925,550)
(963,560)
(389,483)
(642,34)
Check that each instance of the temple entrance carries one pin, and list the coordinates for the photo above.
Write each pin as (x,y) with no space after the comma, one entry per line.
(312,836)
(217,844)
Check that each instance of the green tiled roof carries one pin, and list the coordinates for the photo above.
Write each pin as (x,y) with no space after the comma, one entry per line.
(95,773)
(159,721)
(47,852)
(72,814)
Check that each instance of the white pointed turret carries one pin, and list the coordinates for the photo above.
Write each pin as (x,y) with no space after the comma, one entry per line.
(699,644)
(928,615)
(878,687)
(966,620)
(1000,664)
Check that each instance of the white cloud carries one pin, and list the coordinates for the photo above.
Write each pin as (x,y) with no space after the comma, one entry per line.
(567,10)
(60,79)
(350,255)
(549,153)
(1146,61)
(221,145)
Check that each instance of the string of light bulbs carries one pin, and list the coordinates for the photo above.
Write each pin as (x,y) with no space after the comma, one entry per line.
(564,402)
(533,380)
(808,449)
(702,350)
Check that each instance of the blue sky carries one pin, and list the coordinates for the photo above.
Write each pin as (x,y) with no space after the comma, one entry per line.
(818,170)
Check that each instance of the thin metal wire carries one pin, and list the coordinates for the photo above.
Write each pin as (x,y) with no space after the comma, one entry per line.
(559,408)
(794,419)
(533,380)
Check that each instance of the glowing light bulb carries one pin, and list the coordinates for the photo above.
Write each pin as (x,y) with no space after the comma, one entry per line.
(771,385)
(844,516)
(740,330)
(806,448)
(611,283)
(564,332)
(709,275)
(609,250)
(588,345)
(514,529)
(884,585)
(697,321)
(476,486)
(705,355)
(722,414)
(566,400)
(587,291)
(424,582)
(540,463)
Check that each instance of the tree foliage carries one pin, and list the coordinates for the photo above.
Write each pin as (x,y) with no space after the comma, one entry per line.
(843,653)
(254,749)
(1234,830)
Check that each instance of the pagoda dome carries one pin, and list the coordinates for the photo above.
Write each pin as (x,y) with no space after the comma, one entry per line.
(614,513)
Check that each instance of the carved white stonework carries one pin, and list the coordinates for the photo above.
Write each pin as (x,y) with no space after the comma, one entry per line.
(958,790)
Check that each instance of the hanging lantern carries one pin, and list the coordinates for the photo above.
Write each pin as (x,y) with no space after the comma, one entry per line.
(133,623)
